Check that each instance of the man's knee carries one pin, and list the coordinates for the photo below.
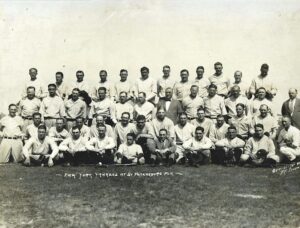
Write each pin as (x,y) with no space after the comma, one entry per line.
(244,157)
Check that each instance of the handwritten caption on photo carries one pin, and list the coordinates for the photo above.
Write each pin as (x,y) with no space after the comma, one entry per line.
(286,169)
(113,174)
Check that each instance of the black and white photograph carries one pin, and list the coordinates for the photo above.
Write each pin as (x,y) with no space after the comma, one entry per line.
(149,113)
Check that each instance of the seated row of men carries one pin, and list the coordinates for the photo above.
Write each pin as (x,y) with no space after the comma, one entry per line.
(159,139)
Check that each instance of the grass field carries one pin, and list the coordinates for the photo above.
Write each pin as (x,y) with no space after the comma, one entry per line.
(209,196)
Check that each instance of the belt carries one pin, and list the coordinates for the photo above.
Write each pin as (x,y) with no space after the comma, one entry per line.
(27,118)
(49,118)
(18,137)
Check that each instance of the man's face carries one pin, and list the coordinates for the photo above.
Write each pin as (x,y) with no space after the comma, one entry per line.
(30,93)
(32,73)
(123,97)
(162,135)
(52,91)
(200,73)
(212,92)
(198,134)
(140,124)
(194,91)
(239,111)
(168,93)
(182,120)
(37,120)
(76,134)
(292,93)
(201,114)
(130,140)
(79,123)
(141,98)
(12,110)
(41,134)
(103,76)
(259,132)
(59,125)
(101,94)
(286,123)
(263,111)
(144,74)
(235,91)
(231,133)
(58,78)
(261,94)
(160,114)
(79,77)
(220,121)
(218,69)
(166,71)
(264,71)
(238,77)
(99,120)
(75,95)
(184,76)
(125,119)
(101,132)
(123,76)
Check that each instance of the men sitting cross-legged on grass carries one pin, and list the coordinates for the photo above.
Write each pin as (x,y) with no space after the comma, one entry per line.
(41,150)
(101,148)
(289,141)
(164,150)
(73,148)
(228,151)
(197,149)
(130,152)
(259,149)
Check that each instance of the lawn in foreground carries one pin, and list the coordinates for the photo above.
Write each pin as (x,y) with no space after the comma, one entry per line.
(208,196)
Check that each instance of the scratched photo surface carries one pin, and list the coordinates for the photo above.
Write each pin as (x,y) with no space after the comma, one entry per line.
(110,35)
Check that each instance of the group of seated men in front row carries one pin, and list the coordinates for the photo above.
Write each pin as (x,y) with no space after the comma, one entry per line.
(192,128)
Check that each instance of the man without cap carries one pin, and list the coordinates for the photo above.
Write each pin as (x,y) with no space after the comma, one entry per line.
(172,106)
(101,149)
(129,152)
(36,83)
(52,107)
(143,107)
(75,107)
(58,133)
(244,89)
(259,100)
(41,150)
(85,131)
(214,104)
(182,88)
(102,106)
(259,149)
(269,122)
(289,140)
(122,86)
(11,134)
(102,83)
(32,129)
(235,98)
(100,121)
(291,108)
(123,105)
(164,150)
(61,87)
(218,130)
(263,81)
(191,103)
(183,132)
(162,122)
(202,121)
(197,149)
(31,104)
(228,150)
(123,128)
(220,80)
(146,84)
(79,83)
(201,82)
(164,82)
(74,148)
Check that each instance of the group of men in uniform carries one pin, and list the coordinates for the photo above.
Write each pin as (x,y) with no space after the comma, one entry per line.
(152,121)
